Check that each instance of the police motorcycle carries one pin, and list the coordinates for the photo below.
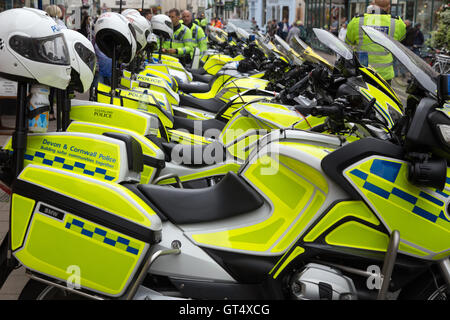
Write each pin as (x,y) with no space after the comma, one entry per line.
(267,114)
(223,48)
(305,218)
(266,117)
(151,84)
(323,83)
(35,54)
(315,82)
(259,55)
(230,149)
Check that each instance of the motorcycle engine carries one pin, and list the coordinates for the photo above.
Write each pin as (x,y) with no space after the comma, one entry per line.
(319,282)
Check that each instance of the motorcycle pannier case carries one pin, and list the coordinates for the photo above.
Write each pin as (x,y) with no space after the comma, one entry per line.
(81,231)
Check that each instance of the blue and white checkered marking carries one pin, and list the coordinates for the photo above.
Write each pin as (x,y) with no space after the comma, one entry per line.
(70,167)
(389,170)
(102,235)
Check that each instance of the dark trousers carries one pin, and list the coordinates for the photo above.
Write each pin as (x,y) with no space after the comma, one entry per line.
(51,98)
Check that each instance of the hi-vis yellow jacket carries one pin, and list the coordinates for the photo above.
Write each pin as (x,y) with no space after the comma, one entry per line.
(375,55)
(181,40)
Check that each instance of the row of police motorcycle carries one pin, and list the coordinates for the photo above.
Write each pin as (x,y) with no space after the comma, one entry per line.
(261,171)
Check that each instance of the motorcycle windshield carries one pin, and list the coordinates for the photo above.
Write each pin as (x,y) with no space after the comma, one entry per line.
(307,53)
(242,34)
(418,68)
(286,49)
(334,43)
(265,48)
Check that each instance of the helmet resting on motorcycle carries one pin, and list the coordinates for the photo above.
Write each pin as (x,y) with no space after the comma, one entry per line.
(32,47)
(141,26)
(82,60)
(162,26)
(152,42)
(114,30)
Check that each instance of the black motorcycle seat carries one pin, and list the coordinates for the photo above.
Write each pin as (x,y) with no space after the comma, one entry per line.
(196,71)
(212,105)
(230,197)
(196,125)
(194,87)
(205,78)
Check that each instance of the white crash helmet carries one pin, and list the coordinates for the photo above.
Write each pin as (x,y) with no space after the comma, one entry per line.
(82,60)
(152,42)
(162,26)
(32,47)
(141,27)
(113,29)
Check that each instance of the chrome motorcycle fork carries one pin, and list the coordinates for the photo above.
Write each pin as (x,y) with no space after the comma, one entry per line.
(445,269)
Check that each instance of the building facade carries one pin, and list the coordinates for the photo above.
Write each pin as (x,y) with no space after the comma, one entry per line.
(266,10)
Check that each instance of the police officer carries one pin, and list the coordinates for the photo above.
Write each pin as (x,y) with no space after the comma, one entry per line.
(198,35)
(201,21)
(180,45)
(370,53)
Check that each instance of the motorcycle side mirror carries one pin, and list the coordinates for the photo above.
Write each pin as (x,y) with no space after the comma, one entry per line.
(443,87)
(348,68)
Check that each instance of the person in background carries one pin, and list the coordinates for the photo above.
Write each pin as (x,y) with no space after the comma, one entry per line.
(85,27)
(273,28)
(198,35)
(148,14)
(201,21)
(418,39)
(103,72)
(343,31)
(218,23)
(369,52)
(294,31)
(55,12)
(104,63)
(269,23)
(283,28)
(408,41)
(254,24)
(334,27)
(180,45)
(303,34)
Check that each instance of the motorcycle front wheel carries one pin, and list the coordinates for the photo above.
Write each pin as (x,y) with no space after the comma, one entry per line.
(429,286)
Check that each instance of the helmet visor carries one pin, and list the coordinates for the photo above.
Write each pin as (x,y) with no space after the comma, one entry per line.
(52,49)
(86,55)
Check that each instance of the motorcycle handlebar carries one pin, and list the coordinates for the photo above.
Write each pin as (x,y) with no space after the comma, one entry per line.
(319,110)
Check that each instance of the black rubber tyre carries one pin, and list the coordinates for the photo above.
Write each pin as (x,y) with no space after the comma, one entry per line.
(429,286)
